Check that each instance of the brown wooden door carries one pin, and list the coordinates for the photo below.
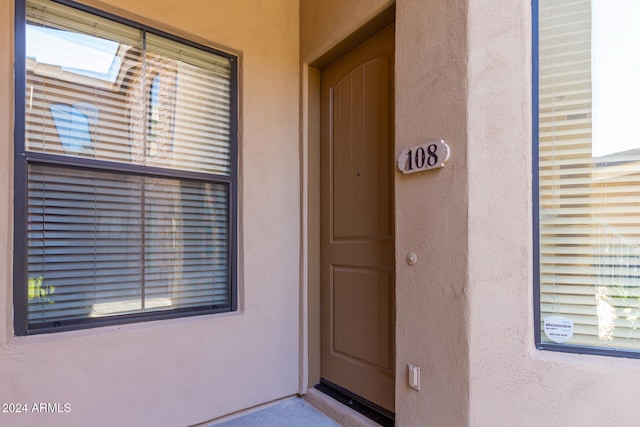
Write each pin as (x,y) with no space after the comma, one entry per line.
(357,241)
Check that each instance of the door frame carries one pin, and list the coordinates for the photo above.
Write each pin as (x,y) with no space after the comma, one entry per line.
(310,330)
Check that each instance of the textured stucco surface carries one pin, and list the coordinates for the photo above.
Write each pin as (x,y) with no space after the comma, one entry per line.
(184,371)
(325,23)
(6,165)
(465,310)
(431,214)
(512,383)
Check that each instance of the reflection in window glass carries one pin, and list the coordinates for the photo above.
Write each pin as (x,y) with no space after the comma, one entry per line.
(589,176)
(74,52)
(162,102)
(130,180)
(615,38)
(154,114)
(73,128)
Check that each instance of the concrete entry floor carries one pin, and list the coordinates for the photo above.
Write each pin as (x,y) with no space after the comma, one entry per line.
(292,412)
(298,412)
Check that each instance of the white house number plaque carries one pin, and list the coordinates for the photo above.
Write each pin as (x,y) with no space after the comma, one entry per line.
(431,155)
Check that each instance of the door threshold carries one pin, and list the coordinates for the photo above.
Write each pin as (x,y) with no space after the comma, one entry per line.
(369,409)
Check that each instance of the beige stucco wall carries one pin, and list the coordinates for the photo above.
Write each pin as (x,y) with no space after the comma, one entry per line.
(325,24)
(431,216)
(327,29)
(185,371)
(465,310)
(6,165)
(511,382)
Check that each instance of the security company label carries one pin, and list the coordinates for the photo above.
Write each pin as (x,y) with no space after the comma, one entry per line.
(558,328)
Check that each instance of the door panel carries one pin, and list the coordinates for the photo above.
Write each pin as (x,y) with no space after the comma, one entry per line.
(357,242)
(360,299)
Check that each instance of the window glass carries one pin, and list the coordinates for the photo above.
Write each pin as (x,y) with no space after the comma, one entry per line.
(109,244)
(154,115)
(589,176)
(126,175)
(73,128)
(74,57)
(73,53)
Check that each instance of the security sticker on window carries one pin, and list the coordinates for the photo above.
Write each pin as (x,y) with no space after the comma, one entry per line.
(558,328)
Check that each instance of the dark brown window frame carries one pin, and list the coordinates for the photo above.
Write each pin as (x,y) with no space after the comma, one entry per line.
(24,158)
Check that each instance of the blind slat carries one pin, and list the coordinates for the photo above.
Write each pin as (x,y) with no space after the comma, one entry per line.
(589,205)
(184,124)
(96,266)
(102,243)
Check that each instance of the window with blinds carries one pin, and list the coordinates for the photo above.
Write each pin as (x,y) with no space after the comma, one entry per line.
(588,174)
(125,172)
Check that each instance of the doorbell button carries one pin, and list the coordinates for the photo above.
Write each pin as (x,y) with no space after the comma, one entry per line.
(412,258)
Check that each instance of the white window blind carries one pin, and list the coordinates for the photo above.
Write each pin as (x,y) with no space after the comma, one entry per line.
(589,202)
(129,173)
(113,244)
(194,91)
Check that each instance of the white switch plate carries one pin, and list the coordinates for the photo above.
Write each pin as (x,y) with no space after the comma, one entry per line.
(414,377)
